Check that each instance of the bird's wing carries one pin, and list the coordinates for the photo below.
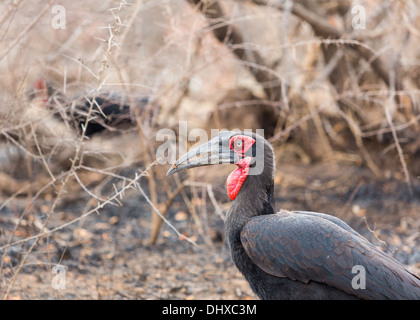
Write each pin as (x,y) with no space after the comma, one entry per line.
(308,246)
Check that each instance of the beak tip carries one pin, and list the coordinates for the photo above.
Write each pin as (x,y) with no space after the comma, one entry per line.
(171,170)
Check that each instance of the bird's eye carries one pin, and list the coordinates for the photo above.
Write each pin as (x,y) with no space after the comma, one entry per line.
(239,144)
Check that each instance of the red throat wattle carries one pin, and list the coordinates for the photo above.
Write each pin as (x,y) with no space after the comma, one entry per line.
(237,177)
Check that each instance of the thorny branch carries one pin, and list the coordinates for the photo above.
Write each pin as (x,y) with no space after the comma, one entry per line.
(78,153)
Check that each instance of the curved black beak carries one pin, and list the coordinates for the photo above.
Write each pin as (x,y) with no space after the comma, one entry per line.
(215,151)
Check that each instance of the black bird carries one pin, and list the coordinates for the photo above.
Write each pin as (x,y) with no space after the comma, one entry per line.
(293,255)
(110,111)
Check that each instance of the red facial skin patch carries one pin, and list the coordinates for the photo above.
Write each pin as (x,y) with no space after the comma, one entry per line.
(237,177)
(41,89)
(239,144)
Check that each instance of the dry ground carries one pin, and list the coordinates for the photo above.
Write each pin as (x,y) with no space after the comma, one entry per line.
(108,256)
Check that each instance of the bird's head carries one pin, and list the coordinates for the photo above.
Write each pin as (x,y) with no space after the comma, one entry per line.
(250,152)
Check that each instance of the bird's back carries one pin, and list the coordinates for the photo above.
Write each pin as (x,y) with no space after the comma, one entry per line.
(308,247)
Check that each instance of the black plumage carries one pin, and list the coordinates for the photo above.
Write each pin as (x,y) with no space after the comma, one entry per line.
(294,255)
(110,111)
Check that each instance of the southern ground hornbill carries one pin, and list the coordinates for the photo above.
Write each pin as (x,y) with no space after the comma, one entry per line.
(110,111)
(293,255)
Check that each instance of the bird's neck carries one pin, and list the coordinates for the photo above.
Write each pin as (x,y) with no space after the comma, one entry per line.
(254,199)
